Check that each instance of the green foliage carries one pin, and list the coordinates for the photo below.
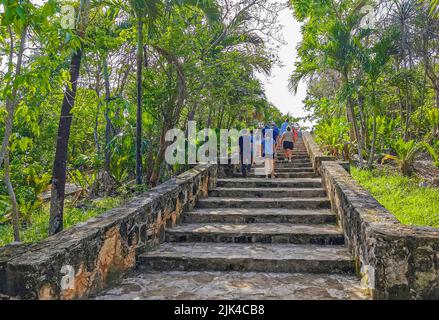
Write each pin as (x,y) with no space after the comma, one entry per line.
(406,153)
(333,137)
(402,196)
(433,150)
(37,229)
(196,63)
(382,80)
(82,179)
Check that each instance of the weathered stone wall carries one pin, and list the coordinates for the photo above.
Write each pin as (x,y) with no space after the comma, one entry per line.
(394,260)
(94,253)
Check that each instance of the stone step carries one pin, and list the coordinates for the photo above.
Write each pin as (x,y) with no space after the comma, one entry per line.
(268,192)
(288,174)
(297,160)
(230,215)
(295,152)
(248,258)
(270,183)
(293,162)
(281,156)
(282,166)
(297,149)
(287,203)
(289,170)
(285,159)
(217,285)
(322,234)
(294,168)
(287,165)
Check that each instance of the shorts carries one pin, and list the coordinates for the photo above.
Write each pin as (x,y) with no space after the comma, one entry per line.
(288,145)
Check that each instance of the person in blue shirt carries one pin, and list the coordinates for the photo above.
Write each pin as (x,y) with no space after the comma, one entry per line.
(268,151)
(264,129)
(284,126)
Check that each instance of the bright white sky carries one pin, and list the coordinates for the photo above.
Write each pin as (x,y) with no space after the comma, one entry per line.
(276,85)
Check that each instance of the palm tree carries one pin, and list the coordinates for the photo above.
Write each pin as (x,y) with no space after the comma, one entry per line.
(334,46)
(147,12)
(374,62)
(434,7)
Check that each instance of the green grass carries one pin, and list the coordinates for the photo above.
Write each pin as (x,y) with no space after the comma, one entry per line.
(402,196)
(72,215)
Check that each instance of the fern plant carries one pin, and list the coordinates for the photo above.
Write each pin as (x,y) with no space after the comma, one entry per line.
(406,153)
(82,179)
(433,151)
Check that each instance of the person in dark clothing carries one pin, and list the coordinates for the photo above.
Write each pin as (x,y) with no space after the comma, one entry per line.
(245,152)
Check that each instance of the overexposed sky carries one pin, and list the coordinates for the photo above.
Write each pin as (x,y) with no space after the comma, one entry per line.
(276,85)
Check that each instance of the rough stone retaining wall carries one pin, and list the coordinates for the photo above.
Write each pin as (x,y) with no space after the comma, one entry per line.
(394,260)
(83,259)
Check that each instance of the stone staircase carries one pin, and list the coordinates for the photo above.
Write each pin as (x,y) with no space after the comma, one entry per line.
(255,238)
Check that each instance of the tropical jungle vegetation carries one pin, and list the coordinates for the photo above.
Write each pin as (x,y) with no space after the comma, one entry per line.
(89,88)
(373,74)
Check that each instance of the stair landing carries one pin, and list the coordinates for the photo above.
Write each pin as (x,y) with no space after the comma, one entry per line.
(195,285)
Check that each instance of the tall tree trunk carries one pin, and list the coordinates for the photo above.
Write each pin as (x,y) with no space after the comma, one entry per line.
(436,130)
(108,126)
(401,105)
(354,130)
(65,121)
(408,115)
(155,175)
(95,130)
(209,118)
(372,147)
(363,123)
(139,101)
(15,213)
(437,93)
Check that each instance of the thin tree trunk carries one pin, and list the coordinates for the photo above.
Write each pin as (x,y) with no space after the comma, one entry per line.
(401,105)
(363,123)
(95,130)
(437,93)
(221,117)
(11,101)
(408,115)
(108,126)
(354,130)
(60,163)
(65,121)
(139,101)
(209,118)
(155,175)
(372,148)
(15,213)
